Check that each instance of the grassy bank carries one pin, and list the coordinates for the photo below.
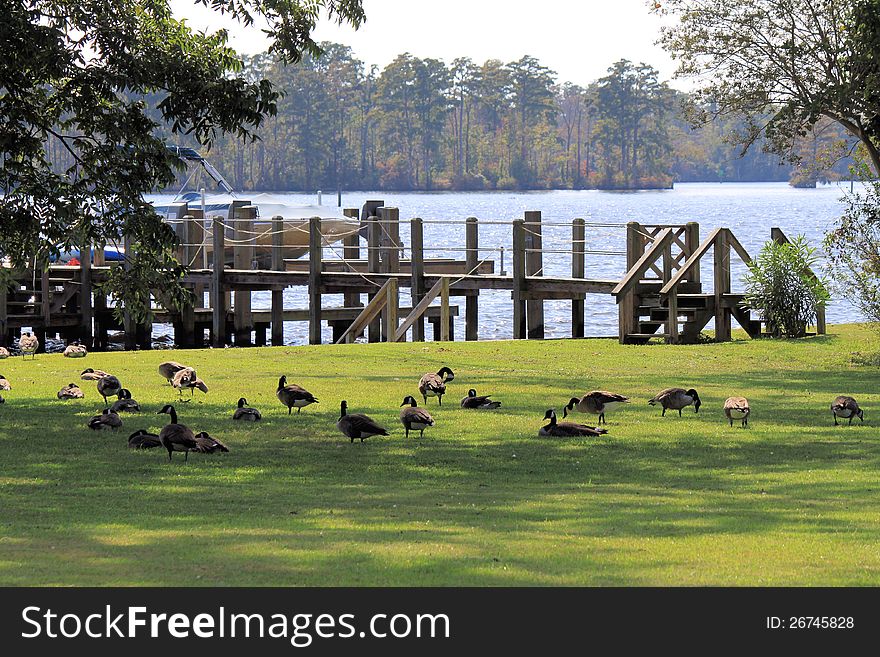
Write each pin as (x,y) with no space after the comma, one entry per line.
(481,500)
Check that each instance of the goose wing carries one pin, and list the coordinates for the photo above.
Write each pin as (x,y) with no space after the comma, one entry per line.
(431,382)
(208,444)
(364,424)
(416,415)
(605,397)
(740,404)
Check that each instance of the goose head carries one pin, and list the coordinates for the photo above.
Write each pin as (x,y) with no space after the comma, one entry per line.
(550,415)
(446,374)
(409,399)
(242,402)
(697,403)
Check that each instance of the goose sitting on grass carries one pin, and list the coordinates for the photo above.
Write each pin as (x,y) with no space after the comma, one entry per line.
(4,353)
(846,407)
(358,425)
(245,413)
(75,350)
(4,384)
(737,408)
(70,391)
(293,396)
(481,402)
(143,439)
(124,403)
(597,402)
(434,385)
(89,374)
(106,421)
(205,444)
(176,437)
(556,429)
(414,418)
(676,399)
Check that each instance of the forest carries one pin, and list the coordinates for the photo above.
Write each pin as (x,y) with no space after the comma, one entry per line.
(422,124)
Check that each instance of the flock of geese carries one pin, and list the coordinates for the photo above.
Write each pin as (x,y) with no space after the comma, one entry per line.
(177,437)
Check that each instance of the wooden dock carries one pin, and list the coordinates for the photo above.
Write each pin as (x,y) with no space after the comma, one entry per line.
(661,295)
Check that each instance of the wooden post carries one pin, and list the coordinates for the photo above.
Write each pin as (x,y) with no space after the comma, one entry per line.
(315,255)
(472,259)
(626,305)
(243,258)
(390,232)
(417,266)
(672,320)
(374,331)
(277,294)
(85,297)
(444,310)
(218,296)
(351,251)
(187,314)
(722,286)
(127,320)
(519,279)
(578,270)
(4,317)
(692,240)
(392,305)
(534,267)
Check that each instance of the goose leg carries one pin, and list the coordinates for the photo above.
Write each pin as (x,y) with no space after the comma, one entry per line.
(834,415)
(425,397)
(169,454)
(289,409)
(407,432)
(422,433)
(850,420)
(440,399)
(186,456)
(731,421)
(679,412)
(663,414)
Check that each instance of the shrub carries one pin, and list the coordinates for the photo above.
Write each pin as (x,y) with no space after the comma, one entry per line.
(779,287)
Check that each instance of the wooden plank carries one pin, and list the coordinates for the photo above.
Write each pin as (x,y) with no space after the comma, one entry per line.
(721,270)
(444,310)
(351,251)
(391,305)
(534,267)
(418,311)
(374,266)
(417,284)
(243,257)
(578,270)
(472,259)
(277,325)
(648,258)
(315,256)
(739,248)
(367,315)
(264,316)
(187,313)
(217,293)
(519,279)
(692,261)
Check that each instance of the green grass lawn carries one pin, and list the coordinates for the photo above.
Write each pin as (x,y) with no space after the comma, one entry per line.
(481,500)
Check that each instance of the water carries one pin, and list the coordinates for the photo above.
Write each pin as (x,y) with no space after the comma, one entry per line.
(748,209)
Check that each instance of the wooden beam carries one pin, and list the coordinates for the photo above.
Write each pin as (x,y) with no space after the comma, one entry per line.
(578,270)
(692,261)
(444,310)
(368,314)
(315,256)
(243,258)
(277,326)
(721,269)
(417,285)
(418,311)
(519,279)
(472,259)
(217,293)
(534,267)
(650,256)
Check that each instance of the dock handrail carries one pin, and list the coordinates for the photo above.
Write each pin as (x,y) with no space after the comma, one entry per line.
(663,240)
(694,259)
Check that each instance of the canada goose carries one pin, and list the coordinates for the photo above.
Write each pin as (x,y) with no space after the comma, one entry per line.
(70,391)
(205,444)
(176,437)
(597,402)
(4,353)
(434,385)
(169,368)
(293,396)
(182,378)
(143,439)
(28,343)
(566,429)
(105,421)
(244,412)
(4,384)
(357,425)
(108,386)
(89,374)
(676,399)
(415,418)
(125,403)
(846,407)
(75,350)
(481,402)
(737,408)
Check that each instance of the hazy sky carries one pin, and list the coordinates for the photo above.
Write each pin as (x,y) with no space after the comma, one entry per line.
(579,39)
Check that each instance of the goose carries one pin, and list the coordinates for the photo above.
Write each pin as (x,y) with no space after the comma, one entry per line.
(415,418)
(108,386)
(108,420)
(737,408)
(75,350)
(597,402)
(2,401)
(676,399)
(4,353)
(176,437)
(70,391)
(846,407)
(566,429)
(293,396)
(169,368)
(89,374)
(125,403)
(182,378)
(143,439)
(357,425)
(481,402)
(205,444)
(4,384)
(28,343)
(434,385)
(244,412)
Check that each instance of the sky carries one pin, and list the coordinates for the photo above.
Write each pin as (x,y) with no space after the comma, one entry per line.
(578,39)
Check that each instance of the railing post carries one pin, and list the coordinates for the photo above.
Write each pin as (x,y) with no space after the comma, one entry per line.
(85,297)
(626,305)
(444,310)
(315,256)
(218,296)
(417,270)
(519,279)
(277,328)
(578,270)
(692,240)
(472,259)
(672,320)
(351,251)
(374,331)
(392,304)
(187,313)
(721,271)
(534,267)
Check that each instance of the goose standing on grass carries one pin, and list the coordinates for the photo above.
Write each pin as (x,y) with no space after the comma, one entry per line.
(70,391)
(556,429)
(293,396)
(108,420)
(4,353)
(434,385)
(75,350)
(846,407)
(737,408)
(245,413)
(176,437)
(358,425)
(89,374)
(676,399)
(414,418)
(597,402)
(108,386)
(205,444)
(143,439)
(125,404)
(28,343)
(4,384)
(169,368)
(481,402)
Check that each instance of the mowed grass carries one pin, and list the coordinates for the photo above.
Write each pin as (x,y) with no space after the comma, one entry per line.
(481,500)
